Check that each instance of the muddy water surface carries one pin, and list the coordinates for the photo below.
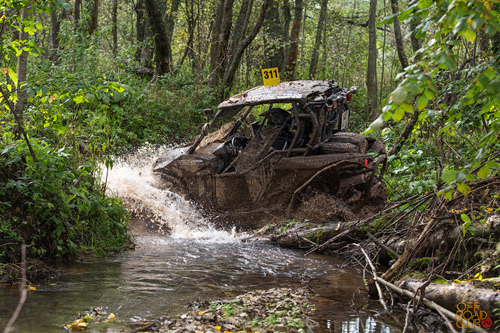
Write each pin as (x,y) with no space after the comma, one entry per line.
(192,262)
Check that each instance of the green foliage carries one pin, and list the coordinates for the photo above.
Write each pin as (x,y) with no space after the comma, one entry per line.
(458,105)
(53,207)
(413,170)
(80,107)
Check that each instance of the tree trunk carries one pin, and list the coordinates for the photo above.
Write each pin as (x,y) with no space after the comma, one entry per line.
(294,41)
(78,10)
(215,43)
(235,59)
(140,25)
(317,42)
(170,24)
(114,15)
(94,16)
(400,48)
(22,68)
(54,33)
(371,78)
(415,43)
(239,29)
(275,52)
(191,25)
(161,37)
(285,37)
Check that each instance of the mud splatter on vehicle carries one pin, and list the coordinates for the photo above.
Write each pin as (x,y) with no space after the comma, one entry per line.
(251,168)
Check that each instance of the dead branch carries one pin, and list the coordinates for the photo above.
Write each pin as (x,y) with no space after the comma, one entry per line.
(23,292)
(362,222)
(430,304)
(374,272)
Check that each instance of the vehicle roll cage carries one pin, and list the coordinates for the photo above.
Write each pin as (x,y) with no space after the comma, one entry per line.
(314,111)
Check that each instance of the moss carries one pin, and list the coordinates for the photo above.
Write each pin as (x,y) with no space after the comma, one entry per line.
(422,263)
(316,236)
(416,275)
(440,281)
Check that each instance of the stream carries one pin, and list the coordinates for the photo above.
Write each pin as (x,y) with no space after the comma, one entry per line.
(179,259)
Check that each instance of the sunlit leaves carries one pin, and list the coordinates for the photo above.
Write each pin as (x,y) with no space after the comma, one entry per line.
(463,188)
(454,24)
(422,102)
(12,76)
(483,172)
(398,114)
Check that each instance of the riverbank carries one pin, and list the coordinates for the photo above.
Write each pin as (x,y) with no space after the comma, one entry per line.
(446,250)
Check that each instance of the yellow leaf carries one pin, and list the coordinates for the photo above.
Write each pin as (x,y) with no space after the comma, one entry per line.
(470,35)
(218,328)
(52,98)
(201,313)
(4,70)
(31,288)
(111,316)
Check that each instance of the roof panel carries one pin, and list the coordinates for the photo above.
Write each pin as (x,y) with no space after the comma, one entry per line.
(284,92)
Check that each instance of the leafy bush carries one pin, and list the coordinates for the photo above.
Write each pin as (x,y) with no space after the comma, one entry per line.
(54,208)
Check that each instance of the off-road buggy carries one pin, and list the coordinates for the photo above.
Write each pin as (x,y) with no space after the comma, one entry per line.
(267,162)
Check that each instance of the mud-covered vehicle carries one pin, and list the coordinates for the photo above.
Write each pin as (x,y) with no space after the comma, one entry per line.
(267,162)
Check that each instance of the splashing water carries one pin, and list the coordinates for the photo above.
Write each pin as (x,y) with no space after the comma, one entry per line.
(132,180)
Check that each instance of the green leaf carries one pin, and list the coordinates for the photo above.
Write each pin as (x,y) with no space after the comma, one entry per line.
(424,3)
(412,88)
(470,35)
(483,172)
(398,96)
(31,92)
(13,76)
(78,99)
(463,188)
(493,164)
(465,218)
(422,102)
(67,6)
(461,176)
(449,176)
(387,20)
(398,114)
(446,62)
(407,108)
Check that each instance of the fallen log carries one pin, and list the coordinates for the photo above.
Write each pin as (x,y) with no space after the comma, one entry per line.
(446,232)
(311,237)
(363,222)
(432,305)
(450,295)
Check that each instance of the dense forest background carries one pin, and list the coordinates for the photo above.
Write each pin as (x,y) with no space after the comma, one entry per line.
(82,81)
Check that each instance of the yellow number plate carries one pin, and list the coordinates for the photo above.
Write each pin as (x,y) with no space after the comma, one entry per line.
(270,76)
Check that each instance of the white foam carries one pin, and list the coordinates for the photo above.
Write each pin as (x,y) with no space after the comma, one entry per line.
(132,180)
